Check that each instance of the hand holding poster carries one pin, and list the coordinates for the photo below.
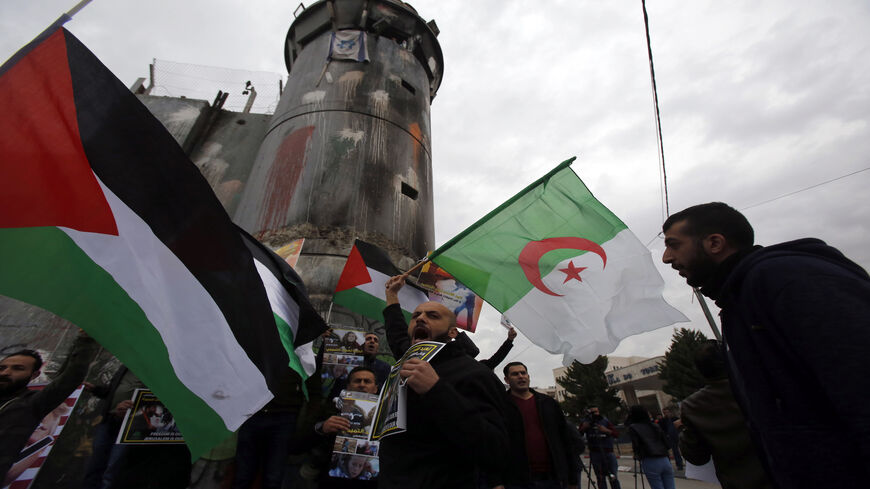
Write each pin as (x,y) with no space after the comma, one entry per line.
(391,414)
(354,456)
(31,457)
(148,422)
(342,348)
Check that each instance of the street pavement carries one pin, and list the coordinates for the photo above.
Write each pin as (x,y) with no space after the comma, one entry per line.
(628,481)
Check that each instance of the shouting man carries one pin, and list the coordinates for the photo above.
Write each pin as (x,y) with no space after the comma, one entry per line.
(796,325)
(455,407)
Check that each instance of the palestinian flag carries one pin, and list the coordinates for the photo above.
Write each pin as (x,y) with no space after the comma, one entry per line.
(104,221)
(297,321)
(363,280)
(563,268)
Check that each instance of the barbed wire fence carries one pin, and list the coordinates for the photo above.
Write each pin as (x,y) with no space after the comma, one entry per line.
(174,79)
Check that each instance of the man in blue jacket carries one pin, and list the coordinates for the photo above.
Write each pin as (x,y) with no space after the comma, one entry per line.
(796,323)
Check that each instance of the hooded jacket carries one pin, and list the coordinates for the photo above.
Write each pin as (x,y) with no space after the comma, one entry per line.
(796,322)
(454,430)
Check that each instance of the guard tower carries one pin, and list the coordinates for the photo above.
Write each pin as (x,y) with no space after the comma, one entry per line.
(348,151)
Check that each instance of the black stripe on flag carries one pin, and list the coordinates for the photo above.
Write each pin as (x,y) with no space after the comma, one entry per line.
(134,155)
(311,324)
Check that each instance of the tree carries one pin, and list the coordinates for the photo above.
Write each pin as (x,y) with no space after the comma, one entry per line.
(586,385)
(678,369)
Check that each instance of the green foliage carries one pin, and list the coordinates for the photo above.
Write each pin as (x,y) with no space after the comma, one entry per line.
(587,385)
(678,370)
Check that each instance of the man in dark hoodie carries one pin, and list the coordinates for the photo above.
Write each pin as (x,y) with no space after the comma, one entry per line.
(455,407)
(796,324)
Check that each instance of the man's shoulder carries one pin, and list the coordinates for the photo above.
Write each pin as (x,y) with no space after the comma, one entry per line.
(795,260)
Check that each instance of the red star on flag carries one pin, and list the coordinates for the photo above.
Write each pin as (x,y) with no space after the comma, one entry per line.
(572,272)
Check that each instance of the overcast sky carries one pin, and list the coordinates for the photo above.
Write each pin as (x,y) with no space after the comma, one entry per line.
(758,99)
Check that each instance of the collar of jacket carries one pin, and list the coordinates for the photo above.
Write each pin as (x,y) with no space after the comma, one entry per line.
(714,286)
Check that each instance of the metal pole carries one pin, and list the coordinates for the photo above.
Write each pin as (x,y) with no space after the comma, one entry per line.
(78,7)
(707,313)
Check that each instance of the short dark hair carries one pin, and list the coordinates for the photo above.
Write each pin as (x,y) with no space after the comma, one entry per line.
(360,369)
(507,367)
(637,414)
(37,358)
(710,360)
(715,218)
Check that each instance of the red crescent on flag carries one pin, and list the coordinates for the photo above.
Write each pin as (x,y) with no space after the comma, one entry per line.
(534,250)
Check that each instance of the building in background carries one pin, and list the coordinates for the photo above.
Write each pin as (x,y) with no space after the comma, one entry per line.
(637,379)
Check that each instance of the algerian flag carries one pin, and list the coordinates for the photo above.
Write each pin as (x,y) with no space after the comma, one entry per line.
(565,270)
(104,221)
(361,286)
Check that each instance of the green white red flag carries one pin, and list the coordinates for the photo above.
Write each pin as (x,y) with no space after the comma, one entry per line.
(563,268)
(105,222)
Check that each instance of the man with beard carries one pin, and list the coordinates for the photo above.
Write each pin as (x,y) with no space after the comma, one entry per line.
(21,409)
(796,324)
(455,407)
(360,379)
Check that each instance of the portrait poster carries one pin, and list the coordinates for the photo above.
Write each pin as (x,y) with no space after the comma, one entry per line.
(290,252)
(342,348)
(391,417)
(148,422)
(442,287)
(32,456)
(354,456)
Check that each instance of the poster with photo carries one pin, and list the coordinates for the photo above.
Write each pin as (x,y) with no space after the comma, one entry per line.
(344,340)
(148,422)
(354,456)
(290,252)
(32,456)
(391,413)
(342,348)
(442,287)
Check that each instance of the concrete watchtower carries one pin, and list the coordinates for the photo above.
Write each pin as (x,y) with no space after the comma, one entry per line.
(348,151)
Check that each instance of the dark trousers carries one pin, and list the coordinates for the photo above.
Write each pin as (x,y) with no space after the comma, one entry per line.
(263,439)
(606,468)
(106,457)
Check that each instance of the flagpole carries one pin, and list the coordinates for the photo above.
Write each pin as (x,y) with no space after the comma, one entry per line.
(77,8)
(498,209)
(707,313)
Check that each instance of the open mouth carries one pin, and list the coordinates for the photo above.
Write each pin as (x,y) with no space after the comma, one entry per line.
(420,334)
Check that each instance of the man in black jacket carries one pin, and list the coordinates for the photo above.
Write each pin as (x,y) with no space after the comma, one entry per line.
(541,449)
(796,324)
(21,409)
(455,407)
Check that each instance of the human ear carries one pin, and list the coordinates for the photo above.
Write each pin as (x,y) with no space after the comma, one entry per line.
(715,244)
(453,332)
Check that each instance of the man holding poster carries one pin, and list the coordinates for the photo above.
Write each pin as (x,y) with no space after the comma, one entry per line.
(455,407)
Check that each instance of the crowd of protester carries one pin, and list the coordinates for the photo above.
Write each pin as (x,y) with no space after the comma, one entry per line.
(776,410)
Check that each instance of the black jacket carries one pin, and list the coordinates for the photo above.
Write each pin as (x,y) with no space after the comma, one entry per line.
(21,412)
(796,321)
(454,430)
(559,441)
(648,441)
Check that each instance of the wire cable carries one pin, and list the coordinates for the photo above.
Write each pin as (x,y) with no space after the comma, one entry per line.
(652,76)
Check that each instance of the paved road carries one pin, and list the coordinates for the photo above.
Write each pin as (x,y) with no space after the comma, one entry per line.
(627,479)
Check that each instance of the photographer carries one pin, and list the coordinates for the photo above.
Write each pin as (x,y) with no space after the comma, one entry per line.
(600,433)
